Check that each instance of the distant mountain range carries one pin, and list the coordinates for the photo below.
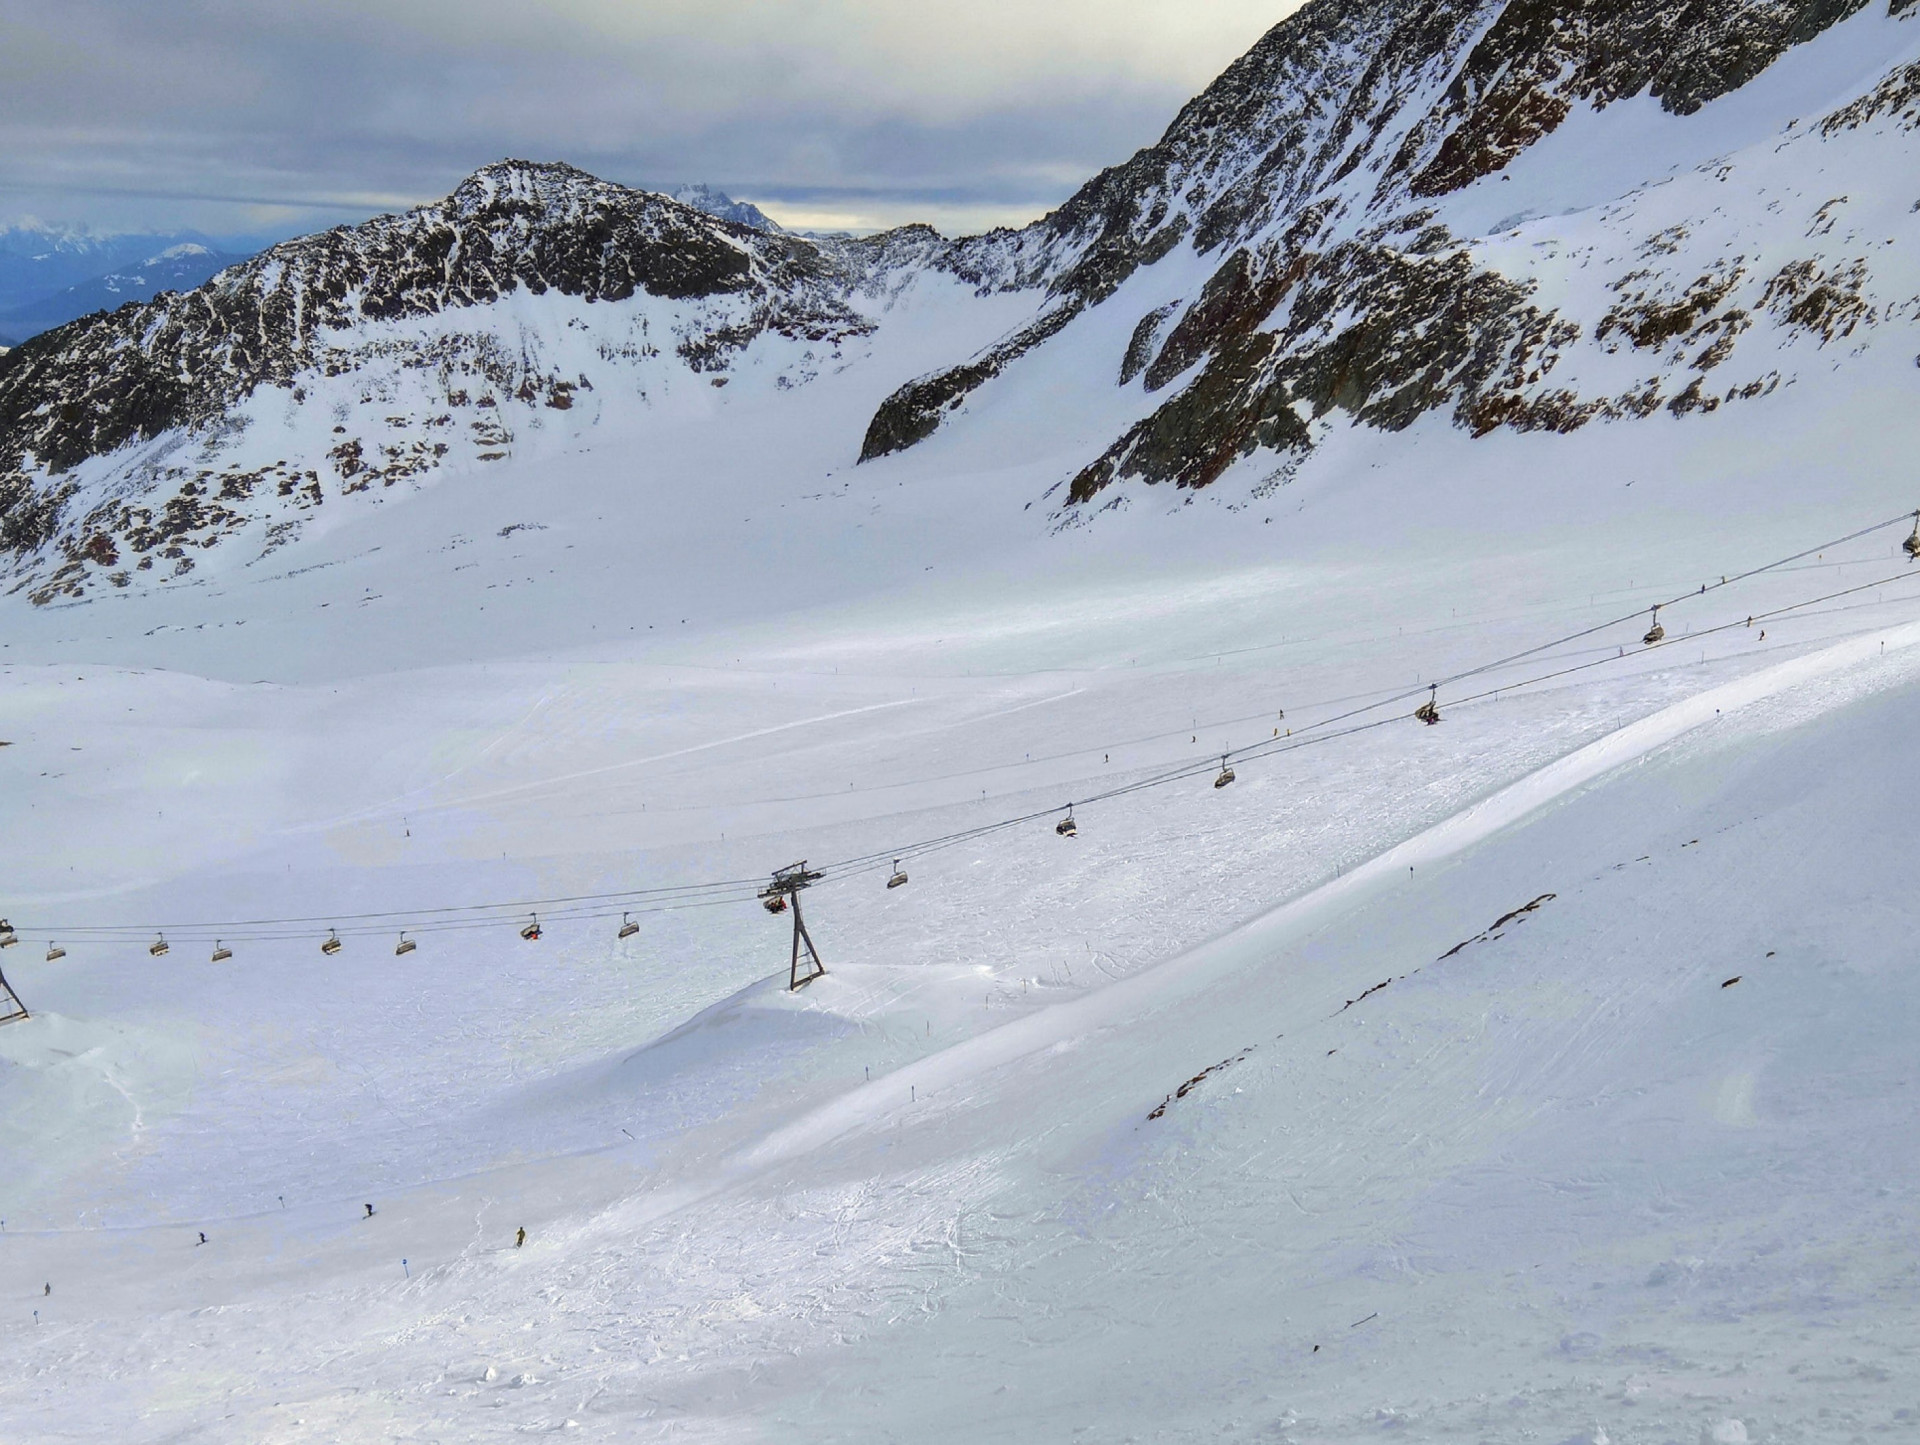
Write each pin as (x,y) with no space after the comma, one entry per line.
(1503,215)
(723,206)
(181,266)
(52,275)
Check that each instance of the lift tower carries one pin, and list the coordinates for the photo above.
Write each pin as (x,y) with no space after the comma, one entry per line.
(784,892)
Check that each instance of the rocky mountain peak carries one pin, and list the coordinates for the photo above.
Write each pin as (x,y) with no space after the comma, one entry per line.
(723,206)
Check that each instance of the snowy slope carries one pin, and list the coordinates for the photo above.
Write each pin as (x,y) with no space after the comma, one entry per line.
(1565,1169)
(1101,1135)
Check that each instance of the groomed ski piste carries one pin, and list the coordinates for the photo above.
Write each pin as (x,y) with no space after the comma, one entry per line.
(1094,1134)
(1545,1074)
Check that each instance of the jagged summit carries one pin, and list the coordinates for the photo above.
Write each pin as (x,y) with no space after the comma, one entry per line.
(719,204)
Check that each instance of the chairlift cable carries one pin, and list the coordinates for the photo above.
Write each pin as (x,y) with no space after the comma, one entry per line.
(727,892)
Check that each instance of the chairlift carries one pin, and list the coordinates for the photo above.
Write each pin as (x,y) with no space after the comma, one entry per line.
(1429,711)
(404,946)
(777,903)
(7,936)
(332,945)
(898,879)
(158,947)
(532,931)
(1226,773)
(1655,632)
(1912,545)
(627,926)
(221,953)
(1066,827)
(55,951)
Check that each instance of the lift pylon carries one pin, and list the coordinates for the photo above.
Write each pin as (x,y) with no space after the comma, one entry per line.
(12,1010)
(787,885)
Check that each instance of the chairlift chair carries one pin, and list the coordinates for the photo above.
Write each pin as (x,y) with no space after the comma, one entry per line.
(898,879)
(1912,545)
(1429,711)
(7,936)
(1066,827)
(775,904)
(532,930)
(1226,773)
(332,945)
(221,953)
(158,947)
(627,926)
(54,951)
(404,946)
(1655,632)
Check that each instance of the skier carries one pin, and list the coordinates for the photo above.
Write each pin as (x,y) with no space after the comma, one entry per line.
(521,1238)
(203,1238)
(369,1211)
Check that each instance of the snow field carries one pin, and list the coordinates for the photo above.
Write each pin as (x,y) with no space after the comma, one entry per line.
(483,1083)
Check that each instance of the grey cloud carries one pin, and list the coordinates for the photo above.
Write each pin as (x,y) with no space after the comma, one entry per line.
(225,115)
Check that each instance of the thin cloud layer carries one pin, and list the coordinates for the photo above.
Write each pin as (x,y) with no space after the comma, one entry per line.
(232,114)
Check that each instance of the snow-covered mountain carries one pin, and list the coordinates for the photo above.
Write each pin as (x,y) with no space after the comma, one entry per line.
(725,207)
(1519,216)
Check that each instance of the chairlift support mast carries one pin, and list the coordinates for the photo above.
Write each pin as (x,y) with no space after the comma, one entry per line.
(12,1010)
(788,883)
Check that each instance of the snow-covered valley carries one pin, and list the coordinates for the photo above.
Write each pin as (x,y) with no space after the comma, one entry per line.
(735,1226)
(1544,1074)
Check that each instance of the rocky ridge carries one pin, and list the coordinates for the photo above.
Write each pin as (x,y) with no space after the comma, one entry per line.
(1316,169)
(409,302)
(1309,239)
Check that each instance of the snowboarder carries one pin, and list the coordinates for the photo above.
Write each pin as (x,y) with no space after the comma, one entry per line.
(369,1211)
(203,1238)
(521,1238)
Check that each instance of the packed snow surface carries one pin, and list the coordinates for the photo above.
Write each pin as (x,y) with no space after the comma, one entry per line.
(1558,1180)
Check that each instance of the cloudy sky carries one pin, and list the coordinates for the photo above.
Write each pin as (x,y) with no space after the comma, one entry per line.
(254,116)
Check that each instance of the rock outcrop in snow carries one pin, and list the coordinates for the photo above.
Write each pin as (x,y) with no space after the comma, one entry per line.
(1314,177)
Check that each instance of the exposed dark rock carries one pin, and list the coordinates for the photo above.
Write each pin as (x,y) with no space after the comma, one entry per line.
(1145,340)
(1300,173)
(913,412)
(1232,302)
(1830,303)
(1365,329)
(1650,320)
(1276,138)
(1540,57)
(1233,406)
